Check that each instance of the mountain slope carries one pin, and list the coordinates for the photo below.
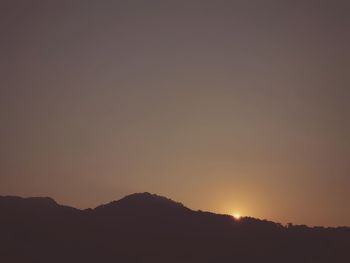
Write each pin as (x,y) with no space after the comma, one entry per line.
(143,204)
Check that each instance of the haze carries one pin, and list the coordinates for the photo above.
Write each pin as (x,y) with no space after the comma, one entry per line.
(228,106)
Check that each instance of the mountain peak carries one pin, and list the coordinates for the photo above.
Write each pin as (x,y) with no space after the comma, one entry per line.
(148,197)
(33,201)
(143,204)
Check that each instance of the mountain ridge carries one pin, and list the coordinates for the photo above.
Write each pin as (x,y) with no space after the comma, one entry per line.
(140,200)
(148,228)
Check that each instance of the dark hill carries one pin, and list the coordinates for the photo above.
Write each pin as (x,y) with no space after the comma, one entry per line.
(14,202)
(150,228)
(16,207)
(143,204)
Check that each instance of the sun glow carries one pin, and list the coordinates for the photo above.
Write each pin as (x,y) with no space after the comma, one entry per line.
(236,216)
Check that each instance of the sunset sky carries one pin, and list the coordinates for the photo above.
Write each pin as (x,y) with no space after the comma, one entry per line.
(228,106)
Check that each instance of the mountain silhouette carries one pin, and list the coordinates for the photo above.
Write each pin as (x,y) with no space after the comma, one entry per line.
(144,227)
(143,204)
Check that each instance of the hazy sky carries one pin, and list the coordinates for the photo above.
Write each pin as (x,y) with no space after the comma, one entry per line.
(228,106)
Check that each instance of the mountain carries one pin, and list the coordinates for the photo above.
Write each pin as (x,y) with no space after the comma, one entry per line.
(144,227)
(32,205)
(143,204)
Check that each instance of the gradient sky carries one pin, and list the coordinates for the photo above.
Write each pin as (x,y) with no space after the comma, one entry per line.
(228,106)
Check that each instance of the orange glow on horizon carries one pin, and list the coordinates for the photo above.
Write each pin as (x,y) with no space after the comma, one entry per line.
(237,216)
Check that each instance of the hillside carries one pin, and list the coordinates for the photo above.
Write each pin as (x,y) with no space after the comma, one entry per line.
(150,228)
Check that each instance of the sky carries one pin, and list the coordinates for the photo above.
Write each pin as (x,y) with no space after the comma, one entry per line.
(227,106)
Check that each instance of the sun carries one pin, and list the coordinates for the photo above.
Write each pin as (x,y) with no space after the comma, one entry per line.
(237,216)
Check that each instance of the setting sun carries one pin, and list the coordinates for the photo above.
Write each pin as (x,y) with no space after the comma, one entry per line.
(237,216)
